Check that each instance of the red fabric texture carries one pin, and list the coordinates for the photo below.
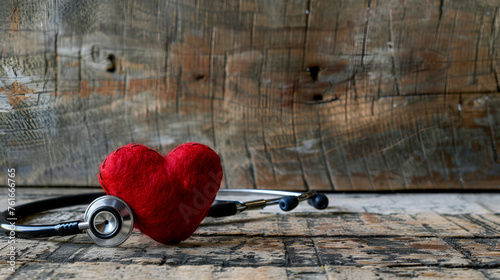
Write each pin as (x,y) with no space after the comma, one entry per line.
(169,195)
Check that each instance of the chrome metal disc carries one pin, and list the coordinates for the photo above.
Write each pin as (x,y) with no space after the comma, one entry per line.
(110,221)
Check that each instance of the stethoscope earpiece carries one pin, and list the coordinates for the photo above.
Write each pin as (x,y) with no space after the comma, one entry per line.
(288,203)
(108,221)
(318,201)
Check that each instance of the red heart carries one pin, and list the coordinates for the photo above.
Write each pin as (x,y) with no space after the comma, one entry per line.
(169,195)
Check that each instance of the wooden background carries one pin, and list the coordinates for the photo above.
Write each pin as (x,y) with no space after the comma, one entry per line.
(293,94)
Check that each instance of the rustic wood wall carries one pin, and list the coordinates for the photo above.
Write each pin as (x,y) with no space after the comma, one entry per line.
(293,94)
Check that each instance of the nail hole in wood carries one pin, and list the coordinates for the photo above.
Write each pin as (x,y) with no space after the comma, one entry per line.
(111,63)
(318,97)
(313,71)
(199,77)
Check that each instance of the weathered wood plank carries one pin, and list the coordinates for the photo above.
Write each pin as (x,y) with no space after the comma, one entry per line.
(392,237)
(486,252)
(331,95)
(266,251)
(405,273)
(388,252)
(121,271)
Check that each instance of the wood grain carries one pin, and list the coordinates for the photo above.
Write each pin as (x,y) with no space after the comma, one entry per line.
(410,236)
(329,95)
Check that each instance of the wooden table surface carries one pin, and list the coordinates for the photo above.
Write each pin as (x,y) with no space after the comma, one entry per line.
(359,236)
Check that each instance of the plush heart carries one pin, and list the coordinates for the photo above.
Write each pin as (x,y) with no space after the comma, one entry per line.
(169,195)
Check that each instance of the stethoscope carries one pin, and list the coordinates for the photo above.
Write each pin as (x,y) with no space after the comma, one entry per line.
(109,221)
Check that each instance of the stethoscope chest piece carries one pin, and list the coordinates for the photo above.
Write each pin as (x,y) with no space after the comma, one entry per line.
(110,221)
